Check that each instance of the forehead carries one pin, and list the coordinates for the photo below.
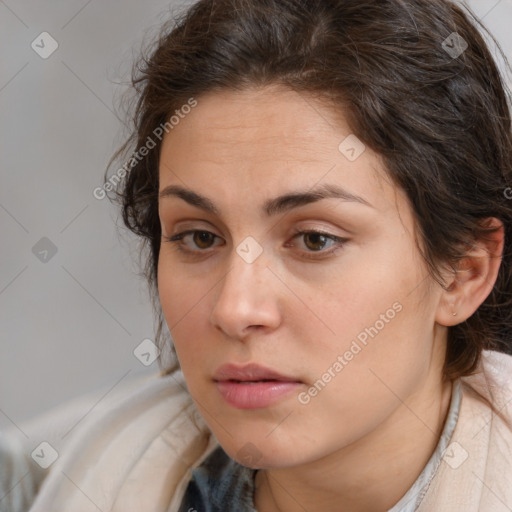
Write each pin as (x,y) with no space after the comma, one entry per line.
(269,140)
(283,121)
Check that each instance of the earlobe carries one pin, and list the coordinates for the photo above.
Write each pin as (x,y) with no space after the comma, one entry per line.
(475,276)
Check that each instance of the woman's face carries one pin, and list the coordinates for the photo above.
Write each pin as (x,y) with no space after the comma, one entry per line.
(293,345)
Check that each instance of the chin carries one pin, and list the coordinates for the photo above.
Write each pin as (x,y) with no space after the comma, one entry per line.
(259,453)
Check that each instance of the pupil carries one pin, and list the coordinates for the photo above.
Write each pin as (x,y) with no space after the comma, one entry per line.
(318,240)
(202,238)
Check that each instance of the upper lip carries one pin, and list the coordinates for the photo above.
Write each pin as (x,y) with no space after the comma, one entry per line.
(248,373)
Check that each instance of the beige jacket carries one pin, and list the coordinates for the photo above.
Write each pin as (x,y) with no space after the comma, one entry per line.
(139,454)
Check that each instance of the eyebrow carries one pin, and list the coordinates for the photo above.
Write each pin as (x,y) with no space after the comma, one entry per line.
(273,206)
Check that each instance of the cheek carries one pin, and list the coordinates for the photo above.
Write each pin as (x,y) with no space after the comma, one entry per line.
(384,357)
(366,296)
(178,293)
(379,317)
(167,285)
(186,307)
(354,386)
(181,305)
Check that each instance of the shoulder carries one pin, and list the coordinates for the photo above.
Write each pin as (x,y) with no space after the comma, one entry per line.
(492,383)
(128,453)
(475,471)
(20,477)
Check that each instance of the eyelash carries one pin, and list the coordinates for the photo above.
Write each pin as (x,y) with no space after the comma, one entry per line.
(339,241)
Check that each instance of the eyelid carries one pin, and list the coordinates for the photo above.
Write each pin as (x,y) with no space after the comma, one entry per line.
(192,224)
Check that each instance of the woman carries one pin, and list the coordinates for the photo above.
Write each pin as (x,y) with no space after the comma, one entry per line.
(321,187)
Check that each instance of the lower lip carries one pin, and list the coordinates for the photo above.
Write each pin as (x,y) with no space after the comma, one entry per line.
(255,395)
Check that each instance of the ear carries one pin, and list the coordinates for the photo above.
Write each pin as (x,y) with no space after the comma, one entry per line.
(474,279)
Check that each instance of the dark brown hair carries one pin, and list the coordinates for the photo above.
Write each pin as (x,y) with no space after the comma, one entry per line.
(441,122)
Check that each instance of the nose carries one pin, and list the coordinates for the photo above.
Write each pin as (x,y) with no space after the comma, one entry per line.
(247,298)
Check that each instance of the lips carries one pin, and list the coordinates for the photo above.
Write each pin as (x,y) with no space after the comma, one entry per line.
(253,386)
(249,373)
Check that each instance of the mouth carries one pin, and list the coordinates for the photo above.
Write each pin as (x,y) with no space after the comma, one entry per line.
(253,381)
(249,373)
(253,386)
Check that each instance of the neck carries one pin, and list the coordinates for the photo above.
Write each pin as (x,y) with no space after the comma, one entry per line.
(370,475)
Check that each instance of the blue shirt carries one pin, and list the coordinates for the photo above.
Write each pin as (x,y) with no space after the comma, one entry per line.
(221,484)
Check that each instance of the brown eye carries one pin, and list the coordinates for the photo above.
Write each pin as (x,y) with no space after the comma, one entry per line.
(317,244)
(194,241)
(203,239)
(315,241)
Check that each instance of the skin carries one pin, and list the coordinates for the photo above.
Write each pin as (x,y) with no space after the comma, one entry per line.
(364,439)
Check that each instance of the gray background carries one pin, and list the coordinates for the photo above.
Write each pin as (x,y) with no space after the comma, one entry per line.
(69,325)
